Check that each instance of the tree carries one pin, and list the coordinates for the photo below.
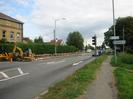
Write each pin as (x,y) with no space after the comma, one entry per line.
(38,40)
(103,45)
(126,24)
(75,39)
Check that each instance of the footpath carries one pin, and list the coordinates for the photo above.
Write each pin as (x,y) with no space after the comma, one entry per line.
(104,85)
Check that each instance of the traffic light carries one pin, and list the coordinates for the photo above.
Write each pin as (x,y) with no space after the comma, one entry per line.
(94,40)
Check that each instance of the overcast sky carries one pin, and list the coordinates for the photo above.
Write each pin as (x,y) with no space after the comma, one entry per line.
(89,17)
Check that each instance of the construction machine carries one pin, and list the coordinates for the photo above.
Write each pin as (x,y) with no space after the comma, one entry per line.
(17,54)
(20,55)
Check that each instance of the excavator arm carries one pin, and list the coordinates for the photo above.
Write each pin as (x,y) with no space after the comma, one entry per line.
(19,50)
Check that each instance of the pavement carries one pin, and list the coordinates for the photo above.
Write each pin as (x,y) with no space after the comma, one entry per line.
(26,80)
(104,85)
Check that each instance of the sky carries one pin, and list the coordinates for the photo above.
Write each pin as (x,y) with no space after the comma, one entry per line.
(90,17)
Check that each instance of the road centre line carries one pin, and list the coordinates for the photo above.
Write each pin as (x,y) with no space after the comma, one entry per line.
(53,62)
(74,64)
(60,61)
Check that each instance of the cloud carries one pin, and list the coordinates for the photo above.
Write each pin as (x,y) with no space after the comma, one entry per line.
(90,17)
(81,16)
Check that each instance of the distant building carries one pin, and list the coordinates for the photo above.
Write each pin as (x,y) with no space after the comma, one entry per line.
(58,42)
(10,29)
(26,40)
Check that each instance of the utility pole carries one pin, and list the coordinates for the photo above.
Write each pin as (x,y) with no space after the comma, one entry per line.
(123,39)
(114,23)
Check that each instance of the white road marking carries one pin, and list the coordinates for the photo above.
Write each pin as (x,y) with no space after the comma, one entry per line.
(54,62)
(14,77)
(74,64)
(51,62)
(7,77)
(4,75)
(43,93)
(20,71)
(60,61)
(9,69)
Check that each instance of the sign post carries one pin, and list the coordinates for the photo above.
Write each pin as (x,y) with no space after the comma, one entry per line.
(114,38)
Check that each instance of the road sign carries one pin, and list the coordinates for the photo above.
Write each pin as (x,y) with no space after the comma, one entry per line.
(119,42)
(114,37)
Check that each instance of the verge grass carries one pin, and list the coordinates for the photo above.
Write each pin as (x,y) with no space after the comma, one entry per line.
(124,75)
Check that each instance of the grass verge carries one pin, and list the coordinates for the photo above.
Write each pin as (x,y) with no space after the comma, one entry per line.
(124,76)
(76,84)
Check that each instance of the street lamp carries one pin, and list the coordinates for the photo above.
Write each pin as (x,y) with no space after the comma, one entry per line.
(55,49)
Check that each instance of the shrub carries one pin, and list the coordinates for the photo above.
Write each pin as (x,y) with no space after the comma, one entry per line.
(40,48)
(127,58)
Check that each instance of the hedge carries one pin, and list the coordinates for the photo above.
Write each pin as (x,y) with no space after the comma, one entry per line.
(40,48)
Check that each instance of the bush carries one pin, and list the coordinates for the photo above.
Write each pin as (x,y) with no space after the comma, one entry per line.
(129,50)
(40,48)
(123,60)
(127,58)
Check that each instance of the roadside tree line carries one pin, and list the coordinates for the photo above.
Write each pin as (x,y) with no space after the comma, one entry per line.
(74,43)
(124,29)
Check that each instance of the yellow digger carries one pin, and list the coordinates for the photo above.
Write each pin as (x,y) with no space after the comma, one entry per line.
(17,54)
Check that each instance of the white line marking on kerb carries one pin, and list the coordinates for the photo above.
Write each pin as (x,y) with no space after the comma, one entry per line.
(43,93)
(14,77)
(74,64)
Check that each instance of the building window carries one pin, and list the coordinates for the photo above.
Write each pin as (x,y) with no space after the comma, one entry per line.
(12,35)
(20,26)
(18,35)
(4,34)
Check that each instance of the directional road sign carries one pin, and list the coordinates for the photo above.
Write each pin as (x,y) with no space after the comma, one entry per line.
(118,42)
(114,37)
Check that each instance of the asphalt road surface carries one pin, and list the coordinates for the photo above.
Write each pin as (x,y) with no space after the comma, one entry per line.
(26,80)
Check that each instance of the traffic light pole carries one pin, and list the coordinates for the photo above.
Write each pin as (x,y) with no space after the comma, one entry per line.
(95,50)
(94,43)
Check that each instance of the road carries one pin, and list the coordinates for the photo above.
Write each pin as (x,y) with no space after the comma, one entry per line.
(26,80)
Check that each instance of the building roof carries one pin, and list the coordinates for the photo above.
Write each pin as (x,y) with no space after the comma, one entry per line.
(58,41)
(6,17)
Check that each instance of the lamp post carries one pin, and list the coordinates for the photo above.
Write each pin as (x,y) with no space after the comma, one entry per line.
(55,49)
(114,23)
